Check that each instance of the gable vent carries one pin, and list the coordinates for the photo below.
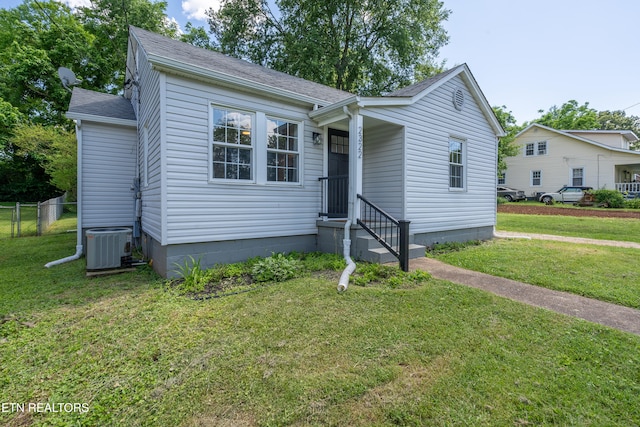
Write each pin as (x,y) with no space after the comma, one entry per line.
(458,99)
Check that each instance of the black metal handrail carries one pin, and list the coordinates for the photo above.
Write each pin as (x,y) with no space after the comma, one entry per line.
(391,233)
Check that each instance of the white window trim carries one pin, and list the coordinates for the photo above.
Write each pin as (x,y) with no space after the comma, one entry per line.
(262,138)
(464,164)
(536,148)
(531,178)
(584,175)
(258,147)
(211,179)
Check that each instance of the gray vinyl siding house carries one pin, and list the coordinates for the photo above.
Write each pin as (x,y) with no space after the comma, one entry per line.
(222,160)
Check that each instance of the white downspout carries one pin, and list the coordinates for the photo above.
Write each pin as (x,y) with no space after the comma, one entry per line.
(343,283)
(346,252)
(79,248)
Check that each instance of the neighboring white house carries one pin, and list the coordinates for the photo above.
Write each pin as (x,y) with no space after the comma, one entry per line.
(220,159)
(550,158)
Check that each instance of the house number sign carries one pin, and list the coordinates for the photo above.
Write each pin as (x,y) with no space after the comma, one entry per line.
(360,138)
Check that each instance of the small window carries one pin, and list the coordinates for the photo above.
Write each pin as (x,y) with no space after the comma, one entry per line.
(536,178)
(577,177)
(282,151)
(536,149)
(232,144)
(502,179)
(529,150)
(456,163)
(542,148)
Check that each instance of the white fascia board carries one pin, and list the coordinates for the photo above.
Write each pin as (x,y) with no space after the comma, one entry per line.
(102,119)
(335,112)
(332,112)
(390,101)
(162,63)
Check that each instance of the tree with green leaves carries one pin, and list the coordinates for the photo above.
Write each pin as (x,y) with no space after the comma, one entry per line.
(506,148)
(363,46)
(54,150)
(109,20)
(570,116)
(618,120)
(36,38)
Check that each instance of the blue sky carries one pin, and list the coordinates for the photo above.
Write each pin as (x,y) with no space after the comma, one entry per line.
(528,54)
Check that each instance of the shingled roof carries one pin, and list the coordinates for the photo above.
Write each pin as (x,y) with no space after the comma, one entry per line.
(419,87)
(160,47)
(89,103)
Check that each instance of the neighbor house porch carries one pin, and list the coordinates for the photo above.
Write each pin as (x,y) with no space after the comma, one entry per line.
(628,178)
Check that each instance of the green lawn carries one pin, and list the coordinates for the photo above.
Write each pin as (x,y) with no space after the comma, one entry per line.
(28,224)
(590,227)
(606,273)
(296,353)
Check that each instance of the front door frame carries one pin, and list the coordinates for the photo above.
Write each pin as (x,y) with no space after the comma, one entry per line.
(338,148)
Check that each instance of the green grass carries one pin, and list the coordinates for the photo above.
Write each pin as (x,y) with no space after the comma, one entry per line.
(296,353)
(29,224)
(589,227)
(601,272)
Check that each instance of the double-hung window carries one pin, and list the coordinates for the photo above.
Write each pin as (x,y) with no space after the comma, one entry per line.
(536,178)
(456,163)
(535,149)
(283,155)
(232,144)
(577,177)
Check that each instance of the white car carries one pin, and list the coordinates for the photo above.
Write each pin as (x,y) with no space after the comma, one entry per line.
(567,194)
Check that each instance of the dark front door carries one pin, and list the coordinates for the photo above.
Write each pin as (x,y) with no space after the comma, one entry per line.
(338,183)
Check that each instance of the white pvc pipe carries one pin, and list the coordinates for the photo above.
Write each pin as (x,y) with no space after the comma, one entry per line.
(79,248)
(346,252)
(73,257)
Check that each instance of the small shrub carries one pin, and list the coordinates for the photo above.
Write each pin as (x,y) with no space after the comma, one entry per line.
(385,275)
(194,278)
(608,198)
(276,268)
(502,200)
(632,203)
(317,261)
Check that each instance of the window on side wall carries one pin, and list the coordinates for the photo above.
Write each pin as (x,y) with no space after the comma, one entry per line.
(232,144)
(456,164)
(577,177)
(535,149)
(536,178)
(283,151)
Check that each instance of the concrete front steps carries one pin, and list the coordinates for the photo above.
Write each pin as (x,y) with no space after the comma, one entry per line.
(368,249)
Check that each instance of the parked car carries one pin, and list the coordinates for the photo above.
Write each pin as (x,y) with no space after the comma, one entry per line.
(567,194)
(510,194)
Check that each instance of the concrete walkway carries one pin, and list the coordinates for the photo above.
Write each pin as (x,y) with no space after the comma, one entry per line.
(612,315)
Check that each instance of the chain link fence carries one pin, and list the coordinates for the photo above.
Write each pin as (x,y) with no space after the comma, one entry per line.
(32,219)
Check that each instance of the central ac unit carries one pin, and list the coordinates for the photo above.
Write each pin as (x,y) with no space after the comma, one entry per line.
(108,247)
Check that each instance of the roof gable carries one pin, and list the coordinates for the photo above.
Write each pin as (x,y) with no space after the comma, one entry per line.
(576,137)
(427,85)
(185,58)
(413,93)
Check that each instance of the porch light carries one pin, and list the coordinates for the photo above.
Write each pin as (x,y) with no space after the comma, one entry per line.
(317,138)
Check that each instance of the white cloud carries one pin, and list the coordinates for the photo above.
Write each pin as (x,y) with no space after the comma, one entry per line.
(76,3)
(195,9)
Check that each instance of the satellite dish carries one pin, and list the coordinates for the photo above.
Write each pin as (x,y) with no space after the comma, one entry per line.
(68,78)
